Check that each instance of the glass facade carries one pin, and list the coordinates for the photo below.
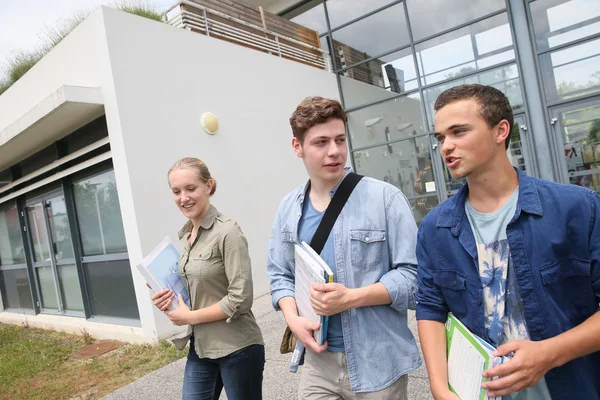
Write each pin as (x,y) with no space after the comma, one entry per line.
(394,58)
(62,246)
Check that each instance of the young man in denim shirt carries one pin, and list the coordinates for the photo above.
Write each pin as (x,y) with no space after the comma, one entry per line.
(371,249)
(516,259)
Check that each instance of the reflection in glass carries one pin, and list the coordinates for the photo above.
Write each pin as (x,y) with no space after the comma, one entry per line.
(379,78)
(572,72)
(342,11)
(516,147)
(386,31)
(395,119)
(421,206)
(313,18)
(562,21)
(38,233)
(11,242)
(45,278)
(481,45)
(69,287)
(505,79)
(14,284)
(111,289)
(581,137)
(99,215)
(433,16)
(59,228)
(405,164)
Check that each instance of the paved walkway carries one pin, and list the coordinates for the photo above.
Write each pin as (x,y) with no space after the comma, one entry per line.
(279,383)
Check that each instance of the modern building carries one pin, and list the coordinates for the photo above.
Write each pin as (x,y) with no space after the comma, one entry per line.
(87,135)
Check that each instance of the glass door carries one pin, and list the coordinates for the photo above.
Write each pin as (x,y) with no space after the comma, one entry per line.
(577,127)
(53,257)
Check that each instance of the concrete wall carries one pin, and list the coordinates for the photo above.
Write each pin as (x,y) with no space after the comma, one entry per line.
(164,79)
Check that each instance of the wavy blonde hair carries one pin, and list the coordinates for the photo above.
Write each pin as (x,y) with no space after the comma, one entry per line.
(197,165)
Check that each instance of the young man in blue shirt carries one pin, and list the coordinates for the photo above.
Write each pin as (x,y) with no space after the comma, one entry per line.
(516,259)
(371,249)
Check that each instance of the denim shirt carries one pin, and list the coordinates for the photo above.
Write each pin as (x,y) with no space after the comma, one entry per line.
(374,241)
(554,240)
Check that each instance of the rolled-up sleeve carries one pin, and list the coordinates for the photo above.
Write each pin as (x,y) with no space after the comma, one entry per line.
(278,268)
(401,280)
(236,259)
(430,302)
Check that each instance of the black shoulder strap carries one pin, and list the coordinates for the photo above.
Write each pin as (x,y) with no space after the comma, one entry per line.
(333,210)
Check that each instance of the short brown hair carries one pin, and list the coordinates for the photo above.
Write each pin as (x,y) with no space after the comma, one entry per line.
(313,111)
(493,104)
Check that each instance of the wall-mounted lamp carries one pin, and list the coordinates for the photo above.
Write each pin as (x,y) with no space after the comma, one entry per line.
(210,123)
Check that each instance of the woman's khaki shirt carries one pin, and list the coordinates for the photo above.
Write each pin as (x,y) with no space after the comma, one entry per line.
(216,269)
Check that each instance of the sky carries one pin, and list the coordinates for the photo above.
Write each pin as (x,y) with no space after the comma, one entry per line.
(24,22)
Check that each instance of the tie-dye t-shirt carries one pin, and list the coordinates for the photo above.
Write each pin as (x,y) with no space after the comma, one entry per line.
(501,301)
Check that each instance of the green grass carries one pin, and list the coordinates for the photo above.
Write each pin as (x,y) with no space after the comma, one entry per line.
(35,364)
(21,62)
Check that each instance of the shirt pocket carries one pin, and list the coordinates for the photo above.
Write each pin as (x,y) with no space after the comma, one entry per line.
(207,262)
(568,285)
(288,241)
(453,285)
(367,247)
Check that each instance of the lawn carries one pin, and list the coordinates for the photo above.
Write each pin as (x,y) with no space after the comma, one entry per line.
(35,364)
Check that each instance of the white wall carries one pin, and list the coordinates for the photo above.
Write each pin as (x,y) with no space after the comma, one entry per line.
(74,61)
(164,79)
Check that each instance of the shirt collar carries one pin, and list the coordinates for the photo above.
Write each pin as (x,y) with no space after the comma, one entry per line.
(302,193)
(207,222)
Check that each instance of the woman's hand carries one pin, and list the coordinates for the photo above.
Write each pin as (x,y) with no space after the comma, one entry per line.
(181,315)
(162,299)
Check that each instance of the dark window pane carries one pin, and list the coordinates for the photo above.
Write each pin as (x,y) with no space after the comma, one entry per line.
(99,215)
(572,72)
(14,285)
(313,18)
(11,241)
(558,22)
(110,288)
(380,78)
(386,31)
(399,118)
(466,50)
(505,79)
(38,160)
(432,16)
(5,177)
(342,11)
(87,135)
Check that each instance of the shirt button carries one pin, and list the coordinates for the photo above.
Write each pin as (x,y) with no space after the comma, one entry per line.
(299,214)
(367,239)
(453,283)
(479,301)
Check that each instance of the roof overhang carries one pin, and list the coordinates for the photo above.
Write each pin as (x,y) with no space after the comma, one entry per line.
(62,112)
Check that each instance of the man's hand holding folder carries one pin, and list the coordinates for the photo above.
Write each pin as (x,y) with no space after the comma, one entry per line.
(301,327)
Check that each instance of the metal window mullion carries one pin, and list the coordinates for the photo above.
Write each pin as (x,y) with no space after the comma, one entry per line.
(532,168)
(12,267)
(375,102)
(470,74)
(561,103)
(573,43)
(576,61)
(463,25)
(372,146)
(105,258)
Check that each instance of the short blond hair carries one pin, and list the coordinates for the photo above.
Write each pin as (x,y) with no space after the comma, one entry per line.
(197,165)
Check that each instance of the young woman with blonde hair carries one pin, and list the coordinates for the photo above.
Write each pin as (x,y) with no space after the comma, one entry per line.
(226,344)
